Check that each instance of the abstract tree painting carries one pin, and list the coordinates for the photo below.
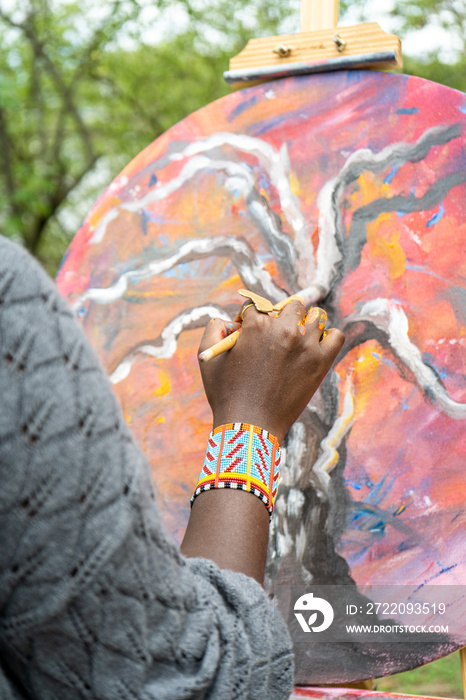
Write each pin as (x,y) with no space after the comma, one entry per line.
(349,189)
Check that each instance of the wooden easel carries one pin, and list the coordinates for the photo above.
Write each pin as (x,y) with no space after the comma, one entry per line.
(463,669)
(318,47)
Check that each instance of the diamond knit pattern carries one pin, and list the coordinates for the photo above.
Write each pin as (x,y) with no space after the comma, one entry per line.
(95,599)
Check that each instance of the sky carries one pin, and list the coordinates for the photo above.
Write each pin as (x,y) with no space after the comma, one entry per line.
(415,43)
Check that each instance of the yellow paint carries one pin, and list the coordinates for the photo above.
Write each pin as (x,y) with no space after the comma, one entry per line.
(264,194)
(384,244)
(382,234)
(249,457)
(151,293)
(160,420)
(101,209)
(164,384)
(232,282)
(294,184)
(369,187)
(312,315)
(339,430)
(366,372)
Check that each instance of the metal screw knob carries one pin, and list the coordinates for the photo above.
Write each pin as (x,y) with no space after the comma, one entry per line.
(282,51)
(339,42)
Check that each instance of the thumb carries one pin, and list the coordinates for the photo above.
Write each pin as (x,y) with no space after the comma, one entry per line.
(216,330)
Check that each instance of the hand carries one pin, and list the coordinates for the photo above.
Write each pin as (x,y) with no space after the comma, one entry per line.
(274,369)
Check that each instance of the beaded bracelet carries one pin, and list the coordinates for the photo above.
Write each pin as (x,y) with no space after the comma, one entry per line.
(241,456)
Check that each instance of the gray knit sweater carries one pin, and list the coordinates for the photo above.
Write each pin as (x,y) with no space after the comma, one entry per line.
(95,599)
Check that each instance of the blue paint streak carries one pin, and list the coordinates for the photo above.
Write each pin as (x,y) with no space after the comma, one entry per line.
(404,405)
(443,570)
(356,516)
(154,218)
(263,182)
(153,180)
(419,268)
(379,491)
(376,355)
(407,110)
(181,271)
(389,177)
(436,217)
(462,109)
(270,124)
(429,359)
(242,107)
(388,361)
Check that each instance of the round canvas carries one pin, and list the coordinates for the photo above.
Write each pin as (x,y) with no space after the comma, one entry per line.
(349,188)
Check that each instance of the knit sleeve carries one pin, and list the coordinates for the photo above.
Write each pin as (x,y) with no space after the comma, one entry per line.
(95,599)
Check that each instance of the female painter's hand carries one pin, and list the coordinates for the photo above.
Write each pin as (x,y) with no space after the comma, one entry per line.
(274,369)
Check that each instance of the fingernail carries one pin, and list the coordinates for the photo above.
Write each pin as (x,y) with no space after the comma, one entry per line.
(312,315)
(322,320)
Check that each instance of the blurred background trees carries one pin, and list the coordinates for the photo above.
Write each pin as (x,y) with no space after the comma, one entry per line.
(85,86)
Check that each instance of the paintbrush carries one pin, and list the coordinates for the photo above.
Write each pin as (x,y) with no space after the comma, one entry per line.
(222,346)
(264,306)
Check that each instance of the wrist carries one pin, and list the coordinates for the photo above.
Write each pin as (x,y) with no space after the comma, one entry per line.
(244,457)
(254,417)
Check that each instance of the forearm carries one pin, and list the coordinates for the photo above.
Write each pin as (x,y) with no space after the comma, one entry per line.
(231,528)
(256,390)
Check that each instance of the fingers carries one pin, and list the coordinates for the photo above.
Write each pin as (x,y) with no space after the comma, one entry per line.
(316,318)
(216,330)
(330,340)
(240,315)
(291,310)
(333,342)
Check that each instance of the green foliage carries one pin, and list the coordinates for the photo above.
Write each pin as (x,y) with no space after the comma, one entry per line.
(445,65)
(439,72)
(440,678)
(449,14)
(85,86)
